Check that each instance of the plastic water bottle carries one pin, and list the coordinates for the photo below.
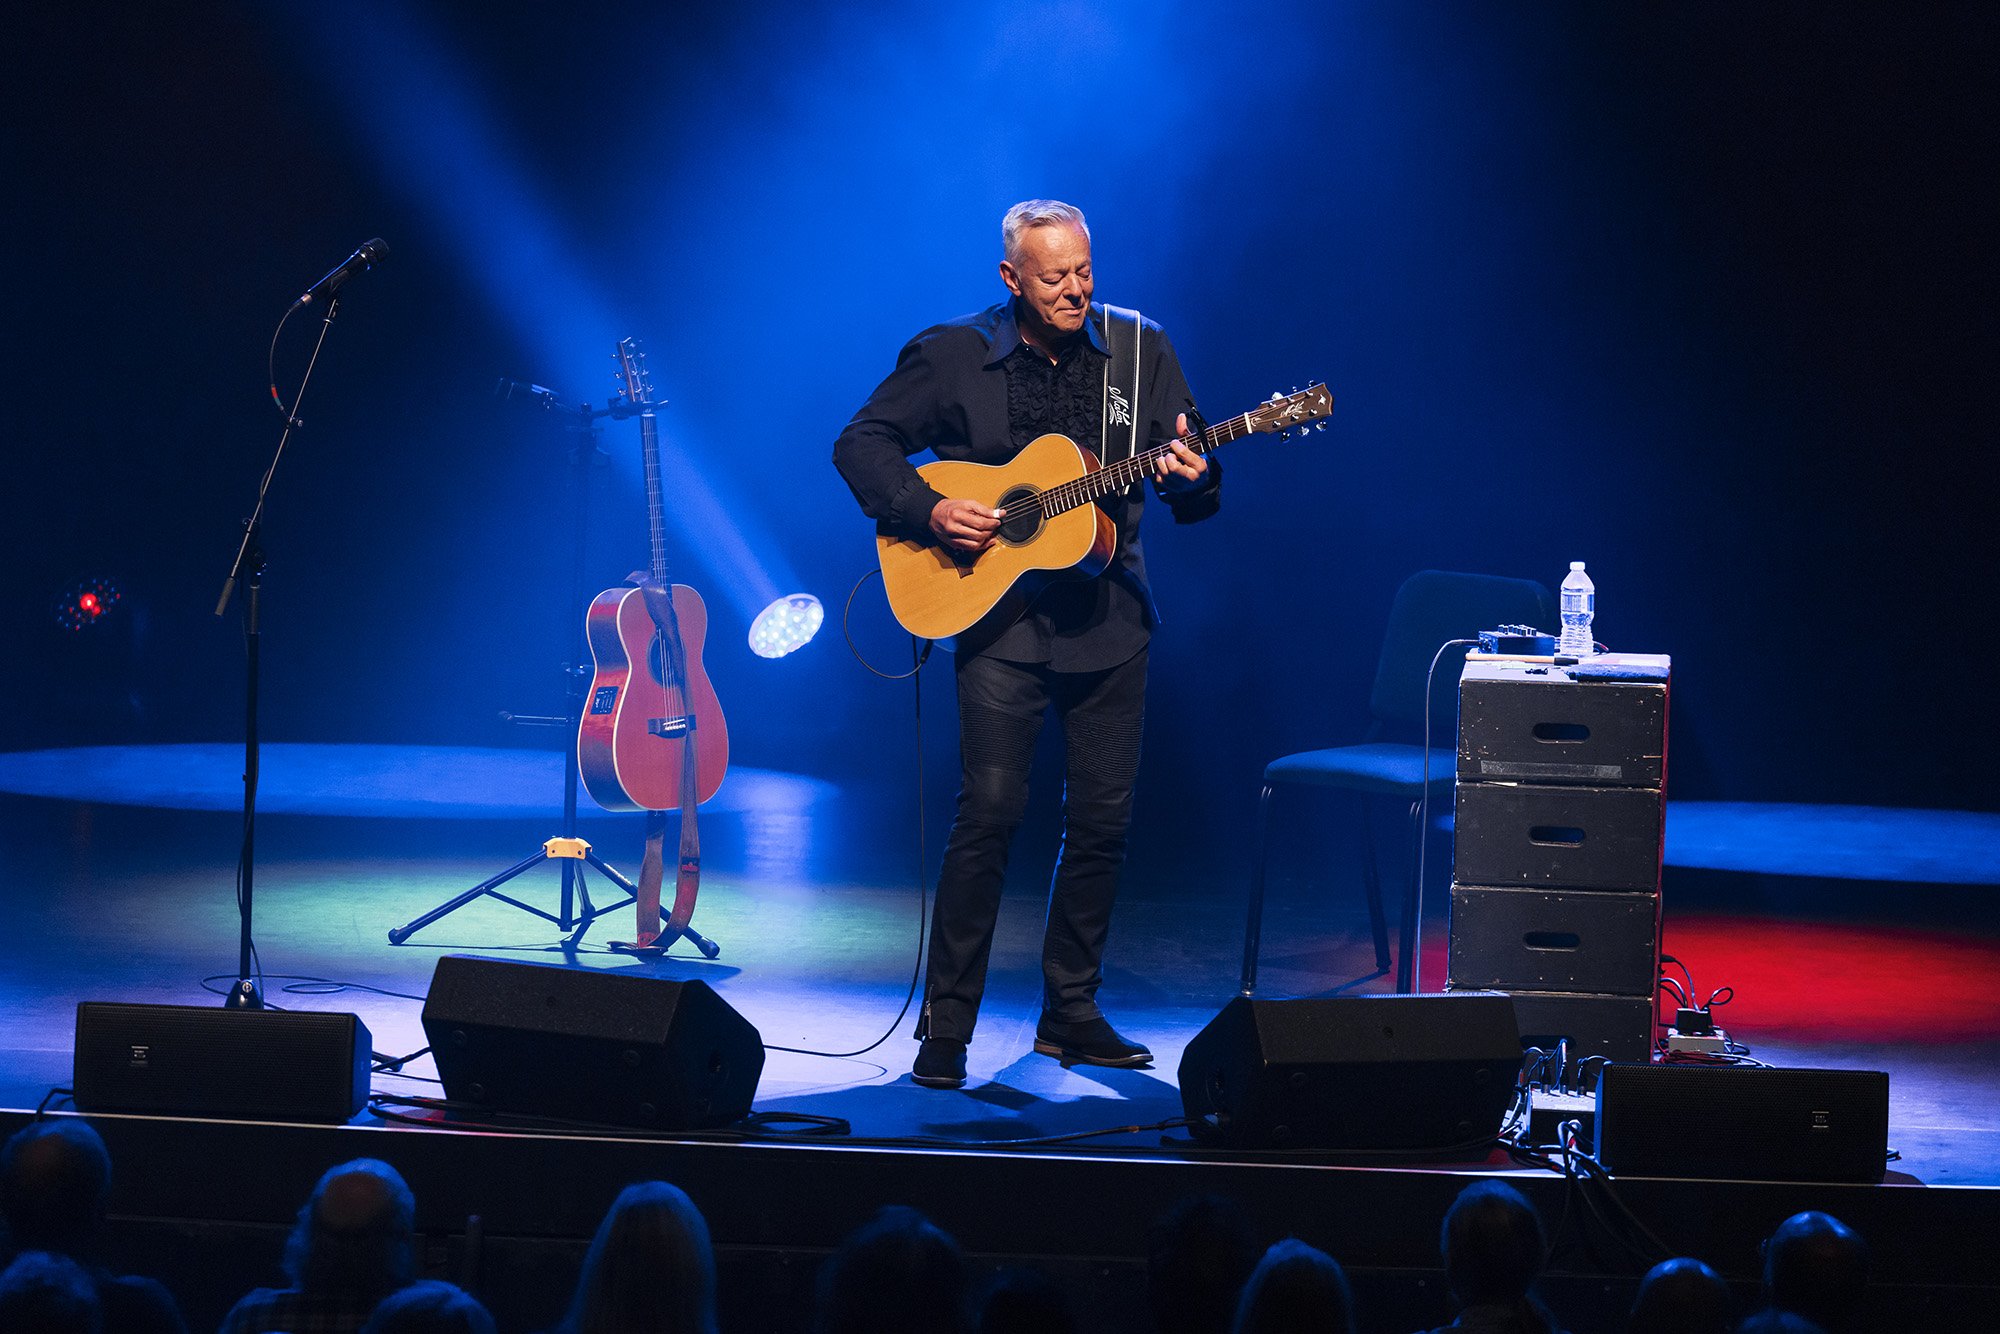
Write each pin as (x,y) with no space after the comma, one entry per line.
(1579,608)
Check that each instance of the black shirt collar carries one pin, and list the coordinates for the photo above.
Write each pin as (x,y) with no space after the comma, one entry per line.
(1007,334)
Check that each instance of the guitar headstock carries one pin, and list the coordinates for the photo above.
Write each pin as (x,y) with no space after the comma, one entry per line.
(637,388)
(1297,411)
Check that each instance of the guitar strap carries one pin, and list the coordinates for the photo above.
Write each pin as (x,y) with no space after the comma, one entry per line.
(652,871)
(1122,332)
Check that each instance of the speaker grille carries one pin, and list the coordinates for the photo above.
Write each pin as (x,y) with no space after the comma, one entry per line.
(283,1065)
(582,1045)
(1743,1123)
(1416,1075)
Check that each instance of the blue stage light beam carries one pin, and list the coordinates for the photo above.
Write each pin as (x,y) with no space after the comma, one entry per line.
(427,129)
(430,131)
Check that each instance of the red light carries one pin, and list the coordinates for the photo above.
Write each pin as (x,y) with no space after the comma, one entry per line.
(86,602)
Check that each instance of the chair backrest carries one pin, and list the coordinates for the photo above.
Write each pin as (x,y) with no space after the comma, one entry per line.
(1431,608)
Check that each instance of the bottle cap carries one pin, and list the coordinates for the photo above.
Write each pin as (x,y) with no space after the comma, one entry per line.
(1576,565)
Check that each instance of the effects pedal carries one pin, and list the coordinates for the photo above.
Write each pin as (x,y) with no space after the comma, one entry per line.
(1516,641)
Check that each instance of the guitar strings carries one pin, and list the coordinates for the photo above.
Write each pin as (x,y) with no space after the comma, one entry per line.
(671,675)
(1082,490)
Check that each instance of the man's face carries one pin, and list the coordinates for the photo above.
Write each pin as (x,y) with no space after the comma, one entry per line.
(1051,275)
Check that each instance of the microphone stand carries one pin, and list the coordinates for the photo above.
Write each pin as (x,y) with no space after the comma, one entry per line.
(248,568)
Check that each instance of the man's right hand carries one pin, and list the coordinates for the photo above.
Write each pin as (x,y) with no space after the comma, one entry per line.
(965,525)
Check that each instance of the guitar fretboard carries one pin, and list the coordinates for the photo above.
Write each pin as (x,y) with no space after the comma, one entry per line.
(1117,476)
(656,519)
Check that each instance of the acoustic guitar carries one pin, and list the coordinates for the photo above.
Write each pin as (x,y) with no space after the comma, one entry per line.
(1052,528)
(652,728)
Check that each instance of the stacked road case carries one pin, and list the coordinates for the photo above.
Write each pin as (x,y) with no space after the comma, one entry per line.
(1555,896)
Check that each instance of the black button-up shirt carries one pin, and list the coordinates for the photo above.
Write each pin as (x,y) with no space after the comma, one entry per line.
(972,389)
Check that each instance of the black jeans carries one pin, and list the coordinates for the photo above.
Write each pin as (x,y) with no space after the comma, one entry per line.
(1001,706)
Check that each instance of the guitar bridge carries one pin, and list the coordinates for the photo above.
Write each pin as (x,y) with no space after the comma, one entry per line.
(671,728)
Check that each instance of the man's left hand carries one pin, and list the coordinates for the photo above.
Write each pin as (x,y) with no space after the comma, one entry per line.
(1183,469)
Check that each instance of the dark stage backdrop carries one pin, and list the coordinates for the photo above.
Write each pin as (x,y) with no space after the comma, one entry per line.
(1699,293)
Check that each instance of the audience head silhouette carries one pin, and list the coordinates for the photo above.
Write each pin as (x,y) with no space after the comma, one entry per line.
(1493,1248)
(1682,1297)
(54,1179)
(1295,1289)
(45,1293)
(429,1307)
(1201,1255)
(650,1267)
(356,1233)
(897,1275)
(1816,1266)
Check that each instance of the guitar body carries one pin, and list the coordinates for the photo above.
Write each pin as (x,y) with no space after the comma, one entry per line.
(936,594)
(635,725)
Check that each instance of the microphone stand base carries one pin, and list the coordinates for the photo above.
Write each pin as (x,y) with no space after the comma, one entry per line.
(243,996)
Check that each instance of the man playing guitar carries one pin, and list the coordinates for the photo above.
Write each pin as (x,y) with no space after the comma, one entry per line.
(979,389)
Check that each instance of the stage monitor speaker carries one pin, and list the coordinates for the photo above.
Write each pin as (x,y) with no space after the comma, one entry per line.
(1423,1076)
(1742,1123)
(575,1044)
(195,1060)
(1618,1028)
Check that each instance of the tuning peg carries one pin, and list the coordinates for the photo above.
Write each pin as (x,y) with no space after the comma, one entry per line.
(1320,427)
(1276,397)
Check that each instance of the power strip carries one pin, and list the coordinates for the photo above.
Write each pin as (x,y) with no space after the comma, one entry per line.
(1713,1043)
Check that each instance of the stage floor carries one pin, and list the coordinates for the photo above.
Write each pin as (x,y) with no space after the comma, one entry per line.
(125,903)
(819,934)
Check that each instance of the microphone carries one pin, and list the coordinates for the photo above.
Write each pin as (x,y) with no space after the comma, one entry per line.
(539,394)
(367,257)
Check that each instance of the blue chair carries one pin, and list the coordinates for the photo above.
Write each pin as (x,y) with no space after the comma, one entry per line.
(1431,608)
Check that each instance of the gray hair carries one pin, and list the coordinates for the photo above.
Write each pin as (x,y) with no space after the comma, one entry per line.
(1031,213)
(355,1233)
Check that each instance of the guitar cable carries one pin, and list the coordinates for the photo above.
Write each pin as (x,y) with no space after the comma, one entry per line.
(847,628)
(920,653)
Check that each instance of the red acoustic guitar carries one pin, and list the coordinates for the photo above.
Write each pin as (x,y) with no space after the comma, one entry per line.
(652,736)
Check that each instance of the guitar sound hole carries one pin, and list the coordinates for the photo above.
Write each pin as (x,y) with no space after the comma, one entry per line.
(656,662)
(1024,516)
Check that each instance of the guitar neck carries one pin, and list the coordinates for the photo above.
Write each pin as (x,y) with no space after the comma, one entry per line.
(1117,476)
(649,443)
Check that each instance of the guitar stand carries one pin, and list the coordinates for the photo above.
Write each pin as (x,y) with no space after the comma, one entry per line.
(573,852)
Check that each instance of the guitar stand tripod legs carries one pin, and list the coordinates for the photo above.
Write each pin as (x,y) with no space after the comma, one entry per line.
(572,850)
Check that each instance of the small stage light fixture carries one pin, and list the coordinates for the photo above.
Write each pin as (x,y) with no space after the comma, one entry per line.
(786,625)
(85,602)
